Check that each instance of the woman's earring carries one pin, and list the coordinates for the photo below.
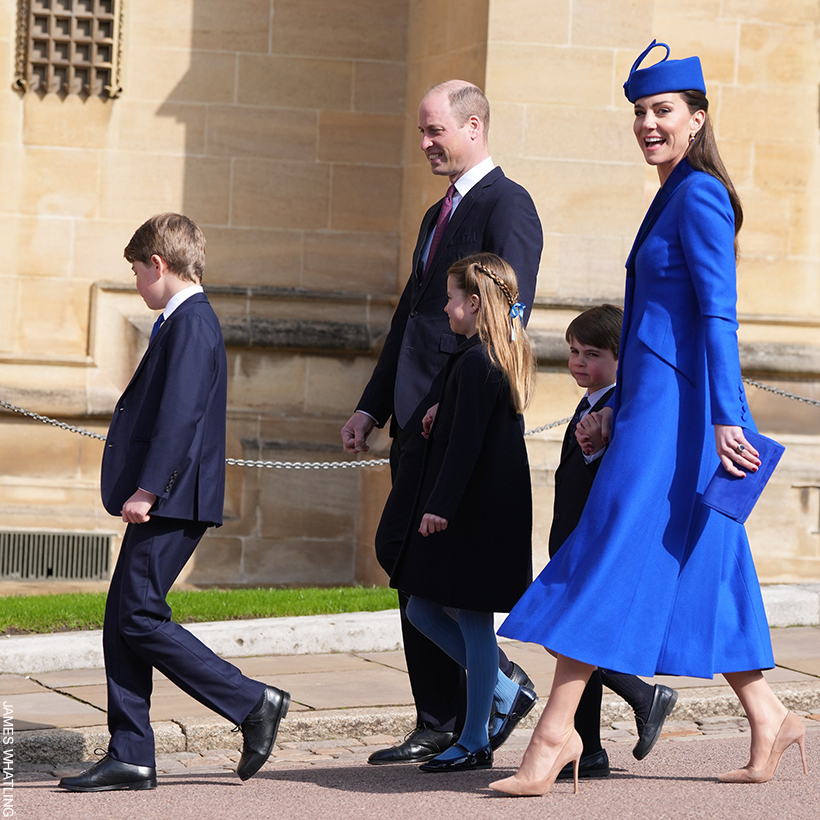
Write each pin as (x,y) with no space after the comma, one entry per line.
(692,137)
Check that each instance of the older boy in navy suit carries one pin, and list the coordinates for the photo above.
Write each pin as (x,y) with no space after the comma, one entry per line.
(594,340)
(163,471)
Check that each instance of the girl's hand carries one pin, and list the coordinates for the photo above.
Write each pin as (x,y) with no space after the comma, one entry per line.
(427,421)
(733,450)
(432,523)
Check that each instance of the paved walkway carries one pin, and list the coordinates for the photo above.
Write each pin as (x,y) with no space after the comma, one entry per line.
(346,703)
(318,780)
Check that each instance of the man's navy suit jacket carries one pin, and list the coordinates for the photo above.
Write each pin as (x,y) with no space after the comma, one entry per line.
(167,435)
(496,215)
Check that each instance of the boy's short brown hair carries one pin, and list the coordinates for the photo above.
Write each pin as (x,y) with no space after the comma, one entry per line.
(598,327)
(175,238)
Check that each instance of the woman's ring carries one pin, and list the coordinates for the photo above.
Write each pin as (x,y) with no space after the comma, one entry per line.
(740,448)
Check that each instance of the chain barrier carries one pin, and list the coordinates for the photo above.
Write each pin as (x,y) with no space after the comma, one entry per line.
(308,465)
(53,422)
(353,465)
(778,392)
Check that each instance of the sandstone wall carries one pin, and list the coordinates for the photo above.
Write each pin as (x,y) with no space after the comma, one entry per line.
(287,129)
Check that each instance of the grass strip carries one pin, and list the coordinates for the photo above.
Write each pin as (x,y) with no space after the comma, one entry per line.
(20,614)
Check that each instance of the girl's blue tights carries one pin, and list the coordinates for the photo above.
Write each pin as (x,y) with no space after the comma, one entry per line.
(468,637)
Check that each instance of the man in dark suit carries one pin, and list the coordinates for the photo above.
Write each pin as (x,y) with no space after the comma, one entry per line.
(482,211)
(594,345)
(163,472)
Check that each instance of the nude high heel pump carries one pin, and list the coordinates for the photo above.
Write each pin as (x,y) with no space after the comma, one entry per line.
(791,731)
(516,787)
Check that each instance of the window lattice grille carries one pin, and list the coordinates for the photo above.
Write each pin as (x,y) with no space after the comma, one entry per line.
(69,47)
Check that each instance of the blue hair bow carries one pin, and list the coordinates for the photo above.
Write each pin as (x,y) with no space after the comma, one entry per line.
(516,312)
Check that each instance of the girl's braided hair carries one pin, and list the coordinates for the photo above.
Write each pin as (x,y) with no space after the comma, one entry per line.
(500,282)
(498,320)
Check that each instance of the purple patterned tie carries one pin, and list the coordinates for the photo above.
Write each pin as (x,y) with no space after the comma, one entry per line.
(441,224)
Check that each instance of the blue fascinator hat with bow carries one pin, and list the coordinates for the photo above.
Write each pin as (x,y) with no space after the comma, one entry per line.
(667,75)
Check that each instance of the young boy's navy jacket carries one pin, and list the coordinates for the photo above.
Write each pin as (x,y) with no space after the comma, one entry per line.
(573,481)
(167,435)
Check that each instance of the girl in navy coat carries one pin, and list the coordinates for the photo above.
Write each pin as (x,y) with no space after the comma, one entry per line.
(652,581)
(469,546)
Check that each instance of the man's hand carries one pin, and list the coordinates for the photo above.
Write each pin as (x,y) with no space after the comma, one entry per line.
(355,433)
(135,510)
(427,421)
(432,523)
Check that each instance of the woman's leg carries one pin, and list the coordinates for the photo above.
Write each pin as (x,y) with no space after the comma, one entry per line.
(773,727)
(765,712)
(554,742)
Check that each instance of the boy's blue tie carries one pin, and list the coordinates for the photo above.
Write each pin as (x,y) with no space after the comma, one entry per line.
(156,327)
(583,406)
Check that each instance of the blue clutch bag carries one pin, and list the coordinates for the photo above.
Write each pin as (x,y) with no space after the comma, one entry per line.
(735,496)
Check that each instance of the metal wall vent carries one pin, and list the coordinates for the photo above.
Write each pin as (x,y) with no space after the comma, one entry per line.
(54,556)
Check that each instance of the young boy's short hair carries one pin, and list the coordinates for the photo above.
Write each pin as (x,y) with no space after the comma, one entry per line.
(176,239)
(598,327)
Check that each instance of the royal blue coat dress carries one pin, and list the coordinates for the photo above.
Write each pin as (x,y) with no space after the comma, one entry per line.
(652,581)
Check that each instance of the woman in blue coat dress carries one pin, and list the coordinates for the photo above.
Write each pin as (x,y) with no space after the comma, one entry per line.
(652,581)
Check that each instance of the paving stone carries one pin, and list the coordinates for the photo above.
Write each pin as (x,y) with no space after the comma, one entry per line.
(625,726)
(68,770)
(291,755)
(231,753)
(720,721)
(677,733)
(721,729)
(320,744)
(213,761)
(389,740)
(617,735)
(337,752)
(171,767)
(675,725)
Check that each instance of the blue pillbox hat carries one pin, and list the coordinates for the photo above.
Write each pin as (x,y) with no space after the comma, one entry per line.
(667,75)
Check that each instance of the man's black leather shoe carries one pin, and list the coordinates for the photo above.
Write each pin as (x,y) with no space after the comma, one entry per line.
(519,676)
(465,762)
(259,731)
(594,765)
(108,775)
(663,702)
(423,743)
(522,705)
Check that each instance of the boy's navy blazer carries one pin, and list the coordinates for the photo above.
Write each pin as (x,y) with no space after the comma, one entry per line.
(496,215)
(573,481)
(167,435)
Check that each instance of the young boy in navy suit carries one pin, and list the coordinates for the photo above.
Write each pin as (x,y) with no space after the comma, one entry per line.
(163,472)
(594,341)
